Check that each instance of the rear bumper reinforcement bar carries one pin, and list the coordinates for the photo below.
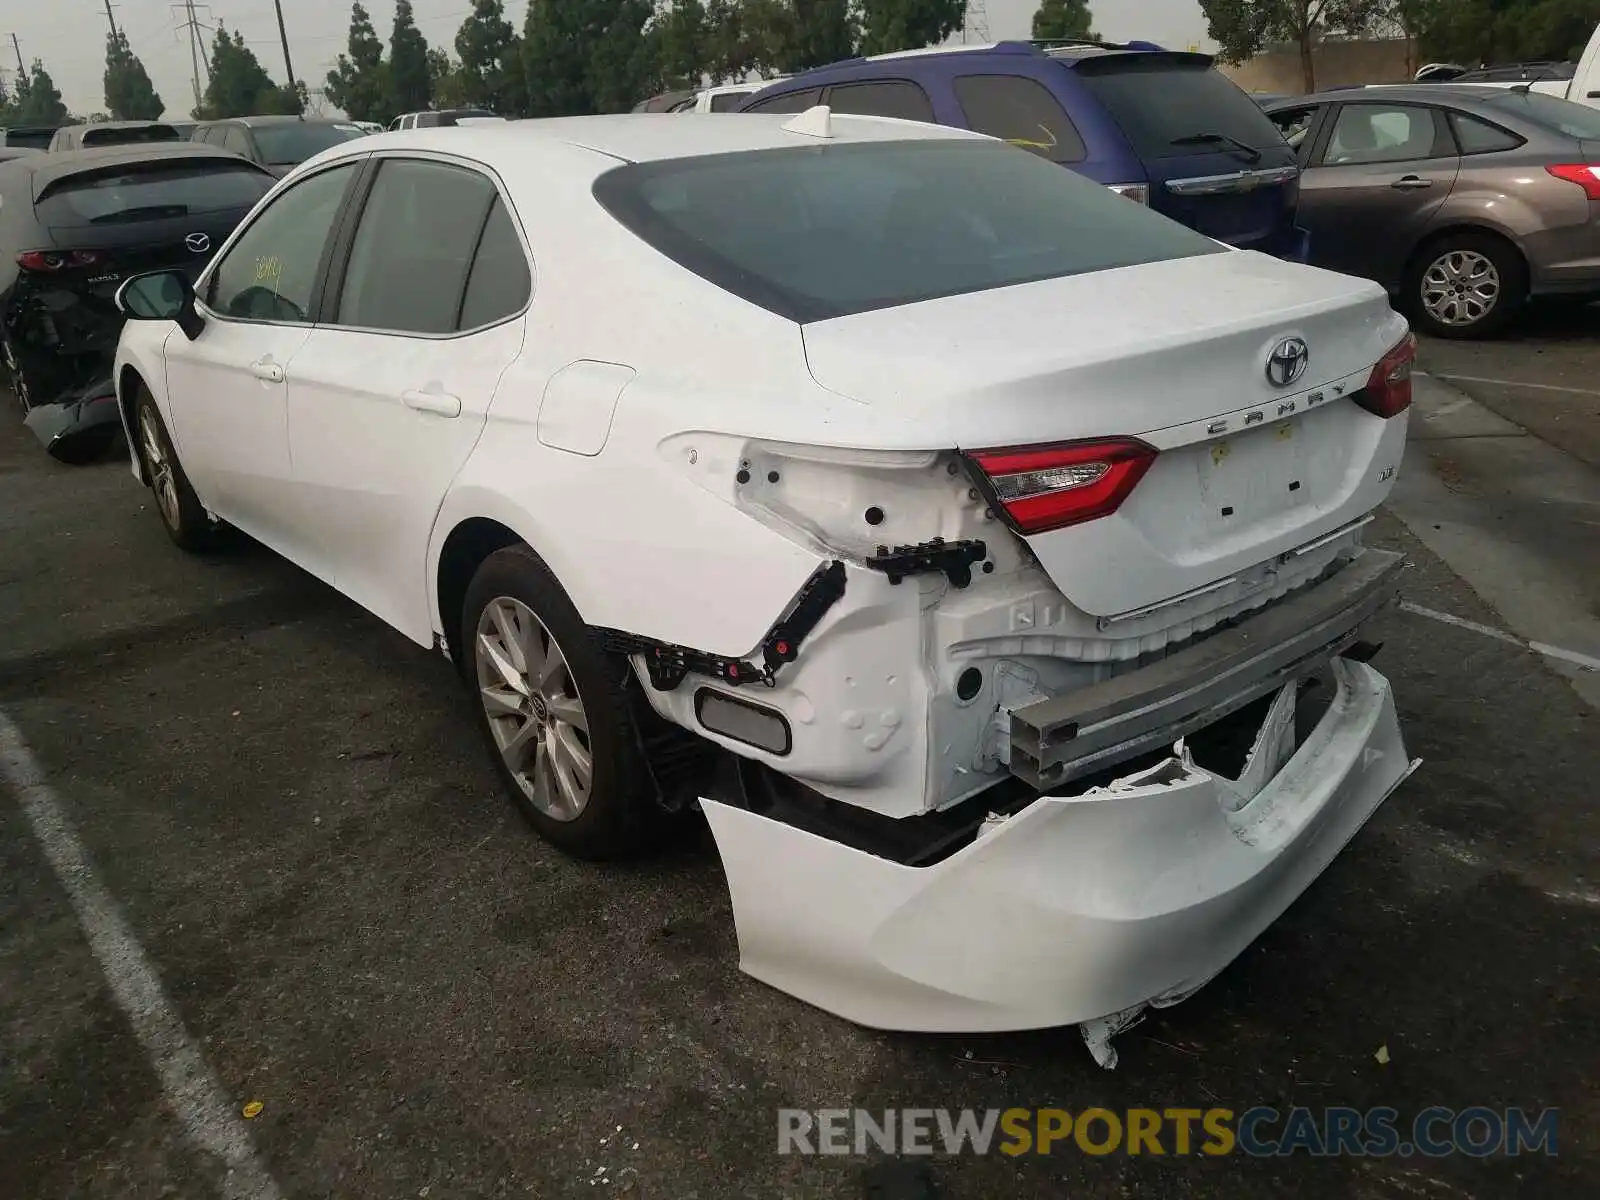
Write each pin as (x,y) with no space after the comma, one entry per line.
(1062,738)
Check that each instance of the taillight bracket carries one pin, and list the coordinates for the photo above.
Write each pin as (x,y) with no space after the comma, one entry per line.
(953,560)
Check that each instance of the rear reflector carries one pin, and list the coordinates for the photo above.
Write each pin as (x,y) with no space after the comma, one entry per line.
(1040,488)
(753,724)
(1588,178)
(1388,391)
(57,260)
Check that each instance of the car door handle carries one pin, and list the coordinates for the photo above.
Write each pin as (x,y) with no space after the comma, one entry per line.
(1410,183)
(1594,96)
(442,403)
(269,372)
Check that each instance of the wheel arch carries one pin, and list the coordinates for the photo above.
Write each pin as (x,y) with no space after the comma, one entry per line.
(129,381)
(463,550)
(1456,228)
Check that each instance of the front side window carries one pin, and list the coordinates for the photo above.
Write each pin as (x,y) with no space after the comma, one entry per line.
(414,246)
(1295,125)
(825,231)
(1021,111)
(789,102)
(270,272)
(727,101)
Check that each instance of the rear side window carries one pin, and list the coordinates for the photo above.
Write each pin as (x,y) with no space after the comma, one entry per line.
(151,191)
(499,284)
(889,98)
(1021,111)
(1480,137)
(413,248)
(1168,109)
(790,102)
(827,231)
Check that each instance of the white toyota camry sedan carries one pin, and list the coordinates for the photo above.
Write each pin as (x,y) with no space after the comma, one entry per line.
(980,551)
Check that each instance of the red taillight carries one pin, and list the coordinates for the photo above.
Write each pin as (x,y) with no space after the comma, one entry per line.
(1050,487)
(1586,177)
(57,260)
(1388,391)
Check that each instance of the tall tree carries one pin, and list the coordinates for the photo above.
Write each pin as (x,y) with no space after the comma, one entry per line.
(1244,27)
(37,102)
(240,85)
(410,84)
(1063,19)
(130,96)
(889,25)
(359,81)
(586,56)
(818,32)
(490,75)
(683,43)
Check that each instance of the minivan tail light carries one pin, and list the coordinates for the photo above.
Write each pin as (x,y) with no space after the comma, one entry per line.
(1040,488)
(1586,177)
(57,260)
(1139,193)
(1388,391)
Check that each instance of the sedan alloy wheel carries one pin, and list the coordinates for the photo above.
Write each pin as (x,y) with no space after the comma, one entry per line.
(535,713)
(1461,288)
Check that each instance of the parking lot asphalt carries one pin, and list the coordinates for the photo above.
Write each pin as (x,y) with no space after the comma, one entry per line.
(1544,375)
(287,806)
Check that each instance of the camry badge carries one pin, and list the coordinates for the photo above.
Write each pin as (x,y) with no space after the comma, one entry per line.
(197,242)
(1288,362)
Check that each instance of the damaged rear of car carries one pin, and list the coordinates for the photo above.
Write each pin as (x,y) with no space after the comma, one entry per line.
(73,226)
(1078,703)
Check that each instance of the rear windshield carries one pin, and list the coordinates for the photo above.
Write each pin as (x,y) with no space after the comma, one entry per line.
(149,192)
(1549,112)
(128,137)
(34,139)
(1163,106)
(294,142)
(818,232)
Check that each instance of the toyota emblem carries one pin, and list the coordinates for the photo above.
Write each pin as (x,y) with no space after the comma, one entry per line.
(1288,362)
(199,243)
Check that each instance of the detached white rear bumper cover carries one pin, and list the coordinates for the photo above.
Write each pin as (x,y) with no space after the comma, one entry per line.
(1076,908)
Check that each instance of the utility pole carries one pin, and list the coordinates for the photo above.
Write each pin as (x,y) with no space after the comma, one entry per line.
(194,50)
(17,46)
(111,19)
(283,36)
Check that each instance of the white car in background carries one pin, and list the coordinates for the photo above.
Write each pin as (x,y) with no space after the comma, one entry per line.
(967,541)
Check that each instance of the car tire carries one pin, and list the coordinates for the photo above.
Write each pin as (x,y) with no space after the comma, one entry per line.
(546,728)
(1466,285)
(180,510)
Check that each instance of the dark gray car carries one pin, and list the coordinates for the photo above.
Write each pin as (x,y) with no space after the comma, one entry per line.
(279,144)
(1463,201)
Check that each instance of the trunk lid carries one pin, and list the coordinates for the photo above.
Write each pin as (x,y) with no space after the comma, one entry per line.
(1173,353)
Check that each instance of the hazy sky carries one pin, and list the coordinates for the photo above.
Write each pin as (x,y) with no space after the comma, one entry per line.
(69,35)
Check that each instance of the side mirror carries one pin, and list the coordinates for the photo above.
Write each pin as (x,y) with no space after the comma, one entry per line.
(161,296)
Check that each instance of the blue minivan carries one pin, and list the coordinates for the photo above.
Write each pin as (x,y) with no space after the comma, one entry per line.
(1160,127)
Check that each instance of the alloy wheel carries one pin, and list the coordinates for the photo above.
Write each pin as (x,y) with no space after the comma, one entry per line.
(1461,288)
(160,466)
(533,707)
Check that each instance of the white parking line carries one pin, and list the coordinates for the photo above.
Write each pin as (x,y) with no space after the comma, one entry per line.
(1516,383)
(190,1086)
(1585,661)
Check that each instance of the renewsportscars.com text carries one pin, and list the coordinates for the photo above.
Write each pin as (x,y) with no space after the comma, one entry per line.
(1260,1132)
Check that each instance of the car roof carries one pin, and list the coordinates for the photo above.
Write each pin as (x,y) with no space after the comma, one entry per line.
(275,119)
(48,169)
(86,127)
(1462,95)
(644,137)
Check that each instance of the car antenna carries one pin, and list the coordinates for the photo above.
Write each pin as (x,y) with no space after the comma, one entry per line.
(814,122)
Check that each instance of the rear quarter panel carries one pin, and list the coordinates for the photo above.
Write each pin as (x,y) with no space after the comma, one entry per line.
(1548,219)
